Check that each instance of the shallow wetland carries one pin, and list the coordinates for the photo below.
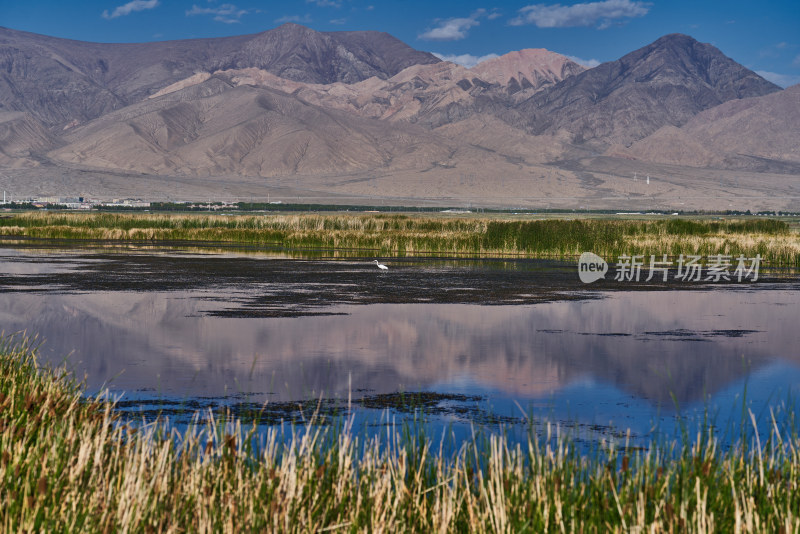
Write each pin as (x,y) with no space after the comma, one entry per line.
(493,342)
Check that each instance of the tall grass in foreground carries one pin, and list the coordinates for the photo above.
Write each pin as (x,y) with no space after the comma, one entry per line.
(70,464)
(407,235)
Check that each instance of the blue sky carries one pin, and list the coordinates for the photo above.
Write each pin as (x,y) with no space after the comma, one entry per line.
(764,36)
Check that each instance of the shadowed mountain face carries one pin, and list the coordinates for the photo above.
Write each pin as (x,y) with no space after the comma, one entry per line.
(301,54)
(754,134)
(665,83)
(60,81)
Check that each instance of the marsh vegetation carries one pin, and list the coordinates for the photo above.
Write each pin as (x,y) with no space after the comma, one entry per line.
(72,463)
(401,235)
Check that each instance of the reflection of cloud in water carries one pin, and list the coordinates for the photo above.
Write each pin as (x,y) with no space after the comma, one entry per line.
(167,341)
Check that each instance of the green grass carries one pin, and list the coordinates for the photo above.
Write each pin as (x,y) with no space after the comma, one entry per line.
(71,464)
(400,235)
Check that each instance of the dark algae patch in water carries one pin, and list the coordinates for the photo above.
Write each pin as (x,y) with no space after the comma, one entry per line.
(248,287)
(426,401)
(465,408)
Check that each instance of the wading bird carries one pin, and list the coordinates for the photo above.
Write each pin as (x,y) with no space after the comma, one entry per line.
(381,266)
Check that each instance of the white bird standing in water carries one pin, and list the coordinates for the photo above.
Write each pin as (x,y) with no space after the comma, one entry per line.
(381,266)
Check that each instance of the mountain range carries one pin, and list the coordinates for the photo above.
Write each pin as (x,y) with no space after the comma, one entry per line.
(363,115)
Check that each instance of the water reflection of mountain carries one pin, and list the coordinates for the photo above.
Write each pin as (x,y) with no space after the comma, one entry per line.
(651,344)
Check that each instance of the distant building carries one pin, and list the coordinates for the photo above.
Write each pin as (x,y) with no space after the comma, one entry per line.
(126,203)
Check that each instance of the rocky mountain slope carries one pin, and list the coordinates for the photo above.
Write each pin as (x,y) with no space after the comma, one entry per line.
(430,94)
(219,123)
(20,136)
(362,113)
(213,129)
(62,82)
(527,71)
(752,133)
(665,83)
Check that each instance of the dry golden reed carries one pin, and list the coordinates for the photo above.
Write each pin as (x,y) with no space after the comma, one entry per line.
(72,464)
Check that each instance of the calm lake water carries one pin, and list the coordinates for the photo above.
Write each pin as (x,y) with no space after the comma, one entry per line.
(491,343)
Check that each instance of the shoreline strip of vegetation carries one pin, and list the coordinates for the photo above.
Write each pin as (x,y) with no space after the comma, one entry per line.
(400,235)
(70,463)
(281,206)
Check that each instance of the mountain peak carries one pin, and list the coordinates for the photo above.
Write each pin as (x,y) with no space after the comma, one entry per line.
(528,68)
(110,76)
(301,54)
(664,83)
(679,43)
(290,25)
(675,38)
(677,57)
(292,28)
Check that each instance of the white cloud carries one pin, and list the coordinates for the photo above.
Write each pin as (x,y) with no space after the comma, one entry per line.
(450,30)
(298,19)
(586,14)
(453,29)
(466,60)
(588,63)
(784,80)
(227,13)
(338,21)
(796,61)
(130,7)
(325,3)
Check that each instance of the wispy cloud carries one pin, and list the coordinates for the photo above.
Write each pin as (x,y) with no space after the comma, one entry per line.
(453,29)
(602,14)
(778,50)
(227,13)
(466,60)
(130,7)
(494,14)
(299,19)
(784,80)
(338,21)
(325,3)
(589,63)
(796,61)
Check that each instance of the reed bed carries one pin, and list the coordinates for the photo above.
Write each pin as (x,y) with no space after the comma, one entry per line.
(400,235)
(72,464)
